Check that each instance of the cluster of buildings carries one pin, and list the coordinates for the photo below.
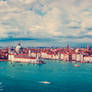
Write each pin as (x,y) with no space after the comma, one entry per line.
(19,54)
(36,55)
(83,55)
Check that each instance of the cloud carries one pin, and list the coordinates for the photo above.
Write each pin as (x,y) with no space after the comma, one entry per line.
(46,19)
(26,1)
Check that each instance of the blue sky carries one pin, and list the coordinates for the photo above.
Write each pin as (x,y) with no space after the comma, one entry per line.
(61,21)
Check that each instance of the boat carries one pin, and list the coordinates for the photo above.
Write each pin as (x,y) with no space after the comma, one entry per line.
(77,65)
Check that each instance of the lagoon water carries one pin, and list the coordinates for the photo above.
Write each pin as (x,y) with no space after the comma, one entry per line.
(54,76)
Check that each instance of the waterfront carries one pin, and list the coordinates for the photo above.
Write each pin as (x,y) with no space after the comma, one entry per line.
(63,76)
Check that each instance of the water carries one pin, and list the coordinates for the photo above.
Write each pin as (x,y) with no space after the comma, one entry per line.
(61,77)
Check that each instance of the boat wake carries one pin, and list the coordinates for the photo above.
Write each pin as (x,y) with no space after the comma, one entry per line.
(45,82)
(1,87)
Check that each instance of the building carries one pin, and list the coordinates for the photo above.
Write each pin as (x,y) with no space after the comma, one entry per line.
(18,48)
(24,58)
(67,57)
(88,59)
(79,57)
(18,56)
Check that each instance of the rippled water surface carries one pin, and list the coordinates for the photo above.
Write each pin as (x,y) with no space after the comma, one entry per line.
(54,76)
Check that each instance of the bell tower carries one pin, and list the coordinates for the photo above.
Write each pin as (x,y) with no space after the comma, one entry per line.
(67,47)
(88,47)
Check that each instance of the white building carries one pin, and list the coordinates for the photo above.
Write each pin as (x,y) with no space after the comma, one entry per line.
(88,58)
(79,57)
(21,58)
(62,56)
(74,56)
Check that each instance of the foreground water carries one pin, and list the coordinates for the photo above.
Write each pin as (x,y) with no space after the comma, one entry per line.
(62,77)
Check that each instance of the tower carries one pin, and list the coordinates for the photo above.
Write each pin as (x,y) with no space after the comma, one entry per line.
(67,47)
(88,47)
(29,52)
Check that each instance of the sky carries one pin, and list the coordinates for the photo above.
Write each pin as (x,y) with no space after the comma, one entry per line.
(56,21)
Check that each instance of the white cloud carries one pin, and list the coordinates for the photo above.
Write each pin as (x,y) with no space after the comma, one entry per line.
(87,22)
(46,18)
(89,33)
(2,29)
(26,1)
